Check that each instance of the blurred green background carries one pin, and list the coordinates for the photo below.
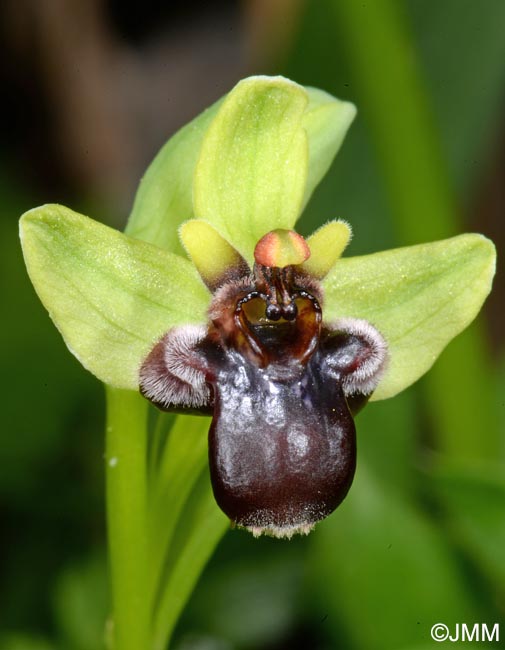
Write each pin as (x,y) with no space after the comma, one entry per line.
(91,90)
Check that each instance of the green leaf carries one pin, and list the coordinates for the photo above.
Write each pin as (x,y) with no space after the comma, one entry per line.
(265,582)
(164,198)
(198,531)
(326,121)
(184,458)
(111,296)
(383,573)
(474,498)
(419,297)
(23,642)
(185,523)
(252,170)
(82,604)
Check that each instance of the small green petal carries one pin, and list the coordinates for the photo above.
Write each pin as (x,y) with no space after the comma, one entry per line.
(418,297)
(326,245)
(252,170)
(326,121)
(111,296)
(215,259)
(164,197)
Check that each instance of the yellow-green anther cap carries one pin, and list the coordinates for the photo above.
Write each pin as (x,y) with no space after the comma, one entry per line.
(281,248)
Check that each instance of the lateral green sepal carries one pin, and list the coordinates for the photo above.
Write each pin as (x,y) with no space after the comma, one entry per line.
(418,297)
(111,296)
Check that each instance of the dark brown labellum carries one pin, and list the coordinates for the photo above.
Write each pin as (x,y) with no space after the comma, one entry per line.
(282,390)
(282,444)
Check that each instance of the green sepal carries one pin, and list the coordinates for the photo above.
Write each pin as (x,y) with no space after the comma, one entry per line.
(111,296)
(164,197)
(251,174)
(418,297)
(326,121)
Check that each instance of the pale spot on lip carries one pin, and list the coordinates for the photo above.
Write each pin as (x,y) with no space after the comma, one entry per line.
(298,441)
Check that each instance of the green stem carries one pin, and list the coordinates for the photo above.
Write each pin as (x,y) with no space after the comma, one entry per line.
(396,106)
(126,464)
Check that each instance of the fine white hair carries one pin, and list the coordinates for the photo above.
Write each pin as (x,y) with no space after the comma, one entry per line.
(172,374)
(366,374)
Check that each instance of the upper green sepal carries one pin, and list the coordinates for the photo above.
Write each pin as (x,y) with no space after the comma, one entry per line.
(418,297)
(252,170)
(266,150)
(111,296)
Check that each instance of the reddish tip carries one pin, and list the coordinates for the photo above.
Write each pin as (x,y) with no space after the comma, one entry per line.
(281,248)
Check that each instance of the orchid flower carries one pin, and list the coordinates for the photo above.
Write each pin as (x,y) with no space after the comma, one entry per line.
(210,303)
